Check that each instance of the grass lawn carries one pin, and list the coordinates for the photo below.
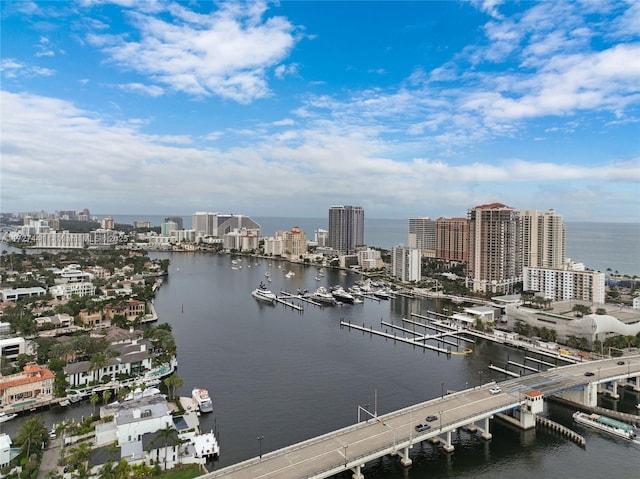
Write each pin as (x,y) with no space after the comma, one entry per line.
(187,471)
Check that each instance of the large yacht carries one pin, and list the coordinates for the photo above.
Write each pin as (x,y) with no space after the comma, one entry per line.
(261,293)
(202,399)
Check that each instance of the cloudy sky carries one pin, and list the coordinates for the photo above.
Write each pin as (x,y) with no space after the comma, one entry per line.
(285,109)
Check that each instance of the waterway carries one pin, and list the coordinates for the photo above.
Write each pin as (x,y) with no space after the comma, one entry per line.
(287,376)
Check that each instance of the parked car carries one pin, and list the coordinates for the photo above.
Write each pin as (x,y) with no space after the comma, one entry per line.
(423,427)
(495,390)
(431,418)
(588,373)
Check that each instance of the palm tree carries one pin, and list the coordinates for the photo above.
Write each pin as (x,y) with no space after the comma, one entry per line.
(97,362)
(172,382)
(106,395)
(32,434)
(167,435)
(94,400)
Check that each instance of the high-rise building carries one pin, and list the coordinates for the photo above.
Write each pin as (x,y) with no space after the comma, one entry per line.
(405,263)
(346,228)
(422,235)
(543,239)
(295,242)
(494,248)
(452,238)
(177,220)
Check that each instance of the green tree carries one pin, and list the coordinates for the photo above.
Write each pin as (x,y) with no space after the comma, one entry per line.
(172,382)
(168,436)
(31,436)
(94,400)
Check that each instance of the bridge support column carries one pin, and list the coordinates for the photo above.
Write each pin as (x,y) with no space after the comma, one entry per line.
(613,393)
(356,472)
(486,435)
(448,447)
(406,460)
(587,396)
(636,384)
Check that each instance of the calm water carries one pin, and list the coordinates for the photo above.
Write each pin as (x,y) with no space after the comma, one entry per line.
(288,376)
(599,246)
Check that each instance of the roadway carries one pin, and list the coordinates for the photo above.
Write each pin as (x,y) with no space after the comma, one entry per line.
(337,451)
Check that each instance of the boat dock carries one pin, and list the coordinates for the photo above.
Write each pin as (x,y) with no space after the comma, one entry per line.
(394,336)
(282,300)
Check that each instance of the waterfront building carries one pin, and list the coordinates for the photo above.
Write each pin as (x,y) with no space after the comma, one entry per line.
(93,319)
(168,227)
(183,236)
(565,284)
(33,384)
(405,263)
(422,235)
(370,259)
(543,239)
(274,246)
(346,228)
(68,290)
(321,238)
(141,224)
(220,224)
(452,238)
(295,243)
(62,240)
(60,320)
(494,248)
(241,240)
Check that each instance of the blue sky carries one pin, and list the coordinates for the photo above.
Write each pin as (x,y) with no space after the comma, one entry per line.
(285,109)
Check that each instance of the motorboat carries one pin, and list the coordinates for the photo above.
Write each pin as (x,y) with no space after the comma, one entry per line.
(323,296)
(202,399)
(261,293)
(138,393)
(4,417)
(606,424)
(342,296)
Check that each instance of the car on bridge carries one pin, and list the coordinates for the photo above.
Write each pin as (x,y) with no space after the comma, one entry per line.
(423,427)
(589,373)
(495,390)
(431,418)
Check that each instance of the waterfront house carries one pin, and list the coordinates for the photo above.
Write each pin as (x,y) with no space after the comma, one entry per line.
(5,450)
(32,386)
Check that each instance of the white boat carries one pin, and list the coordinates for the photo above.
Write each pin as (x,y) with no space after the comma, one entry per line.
(606,424)
(202,399)
(289,274)
(142,393)
(323,296)
(261,293)
(4,417)
(342,296)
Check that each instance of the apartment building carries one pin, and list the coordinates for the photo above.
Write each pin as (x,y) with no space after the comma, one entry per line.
(422,235)
(543,239)
(346,228)
(295,242)
(405,263)
(494,248)
(452,239)
(566,284)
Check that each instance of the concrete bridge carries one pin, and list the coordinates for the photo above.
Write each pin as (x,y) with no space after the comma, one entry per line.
(394,433)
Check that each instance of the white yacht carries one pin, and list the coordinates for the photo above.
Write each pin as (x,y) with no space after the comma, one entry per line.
(4,417)
(202,399)
(261,293)
(323,296)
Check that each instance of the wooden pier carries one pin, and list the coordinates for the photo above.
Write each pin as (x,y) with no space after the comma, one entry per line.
(565,431)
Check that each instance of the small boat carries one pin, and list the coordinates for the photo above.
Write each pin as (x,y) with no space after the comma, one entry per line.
(202,399)
(4,417)
(261,293)
(606,424)
(141,393)
(289,274)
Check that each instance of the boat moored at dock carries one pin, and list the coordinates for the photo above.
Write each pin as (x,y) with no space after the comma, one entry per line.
(261,293)
(4,417)
(202,399)
(606,424)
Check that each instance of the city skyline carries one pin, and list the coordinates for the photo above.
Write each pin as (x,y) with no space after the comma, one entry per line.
(408,109)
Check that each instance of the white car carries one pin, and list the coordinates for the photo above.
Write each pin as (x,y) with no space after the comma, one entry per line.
(495,390)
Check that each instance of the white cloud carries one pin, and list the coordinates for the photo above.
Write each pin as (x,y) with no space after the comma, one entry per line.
(149,90)
(11,68)
(227,53)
